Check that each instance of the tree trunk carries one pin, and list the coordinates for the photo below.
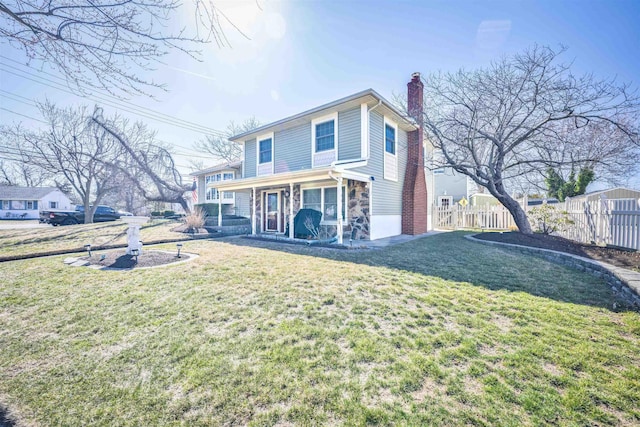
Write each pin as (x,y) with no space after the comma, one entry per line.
(518,214)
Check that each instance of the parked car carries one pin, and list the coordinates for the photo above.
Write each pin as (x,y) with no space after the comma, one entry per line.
(102,214)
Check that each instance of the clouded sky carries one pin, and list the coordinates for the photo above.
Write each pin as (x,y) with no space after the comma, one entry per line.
(303,53)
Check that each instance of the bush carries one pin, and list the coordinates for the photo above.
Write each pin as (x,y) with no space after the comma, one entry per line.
(210,209)
(549,219)
(156,213)
(168,213)
(195,220)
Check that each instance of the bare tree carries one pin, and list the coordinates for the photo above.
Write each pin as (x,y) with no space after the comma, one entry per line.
(104,45)
(16,173)
(219,145)
(147,164)
(73,150)
(523,114)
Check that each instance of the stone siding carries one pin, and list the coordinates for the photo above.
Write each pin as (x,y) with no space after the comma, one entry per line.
(357,227)
(257,208)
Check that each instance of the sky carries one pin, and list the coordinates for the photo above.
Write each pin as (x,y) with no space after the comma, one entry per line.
(299,54)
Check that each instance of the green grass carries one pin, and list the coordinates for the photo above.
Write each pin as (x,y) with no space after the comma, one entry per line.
(21,241)
(438,331)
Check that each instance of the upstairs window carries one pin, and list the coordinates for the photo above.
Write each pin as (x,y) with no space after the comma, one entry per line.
(53,205)
(390,150)
(265,155)
(389,139)
(325,136)
(227,176)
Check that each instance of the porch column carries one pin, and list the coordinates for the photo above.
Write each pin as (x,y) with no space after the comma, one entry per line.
(291,233)
(219,208)
(253,212)
(339,209)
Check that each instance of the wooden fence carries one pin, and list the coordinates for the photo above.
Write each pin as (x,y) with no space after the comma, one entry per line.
(613,222)
(483,217)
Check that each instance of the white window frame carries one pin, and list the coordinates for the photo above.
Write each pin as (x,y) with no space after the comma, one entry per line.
(389,158)
(318,121)
(441,198)
(262,137)
(322,189)
(212,191)
(53,204)
(31,205)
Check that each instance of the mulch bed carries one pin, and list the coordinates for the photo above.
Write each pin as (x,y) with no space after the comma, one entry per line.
(621,258)
(120,260)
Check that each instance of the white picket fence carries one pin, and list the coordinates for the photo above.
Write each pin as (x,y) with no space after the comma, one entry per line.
(483,217)
(614,222)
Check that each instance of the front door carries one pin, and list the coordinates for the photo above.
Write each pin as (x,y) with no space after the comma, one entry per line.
(272,211)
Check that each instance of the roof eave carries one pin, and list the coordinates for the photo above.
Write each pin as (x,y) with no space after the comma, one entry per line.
(407,123)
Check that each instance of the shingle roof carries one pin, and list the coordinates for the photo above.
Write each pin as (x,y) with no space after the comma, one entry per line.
(24,193)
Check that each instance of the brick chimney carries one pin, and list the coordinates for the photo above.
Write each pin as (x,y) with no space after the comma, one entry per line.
(414,190)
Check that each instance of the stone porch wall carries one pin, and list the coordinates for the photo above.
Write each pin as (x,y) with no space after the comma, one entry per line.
(358,218)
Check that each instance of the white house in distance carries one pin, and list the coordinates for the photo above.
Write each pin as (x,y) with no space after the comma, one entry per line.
(27,202)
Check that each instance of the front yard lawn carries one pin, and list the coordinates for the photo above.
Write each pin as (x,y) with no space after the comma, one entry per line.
(438,331)
(22,241)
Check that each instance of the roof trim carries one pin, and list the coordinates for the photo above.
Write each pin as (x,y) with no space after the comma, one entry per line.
(218,167)
(368,92)
(297,177)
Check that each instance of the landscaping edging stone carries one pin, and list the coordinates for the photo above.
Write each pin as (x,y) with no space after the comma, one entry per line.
(622,281)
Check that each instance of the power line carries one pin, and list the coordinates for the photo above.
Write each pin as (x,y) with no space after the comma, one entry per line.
(107,95)
(131,108)
(23,115)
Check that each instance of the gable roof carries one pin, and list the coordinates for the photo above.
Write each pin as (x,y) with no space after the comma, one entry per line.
(9,192)
(608,190)
(365,96)
(218,167)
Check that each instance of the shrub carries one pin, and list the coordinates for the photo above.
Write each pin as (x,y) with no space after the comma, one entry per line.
(549,219)
(168,213)
(195,220)
(156,213)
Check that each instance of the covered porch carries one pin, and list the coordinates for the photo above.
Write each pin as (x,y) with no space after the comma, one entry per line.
(342,196)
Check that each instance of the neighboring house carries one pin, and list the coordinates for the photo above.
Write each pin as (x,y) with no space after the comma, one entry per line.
(27,202)
(358,160)
(449,187)
(230,202)
(483,199)
(609,194)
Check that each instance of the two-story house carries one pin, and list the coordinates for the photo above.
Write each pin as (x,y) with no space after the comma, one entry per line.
(358,160)
(214,201)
